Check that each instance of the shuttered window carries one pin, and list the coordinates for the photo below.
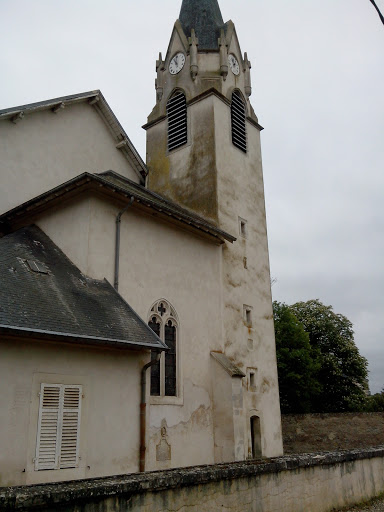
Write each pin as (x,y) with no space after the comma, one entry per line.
(177,121)
(239,134)
(58,428)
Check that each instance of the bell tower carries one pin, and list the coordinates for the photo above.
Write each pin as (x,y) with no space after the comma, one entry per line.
(203,78)
(203,152)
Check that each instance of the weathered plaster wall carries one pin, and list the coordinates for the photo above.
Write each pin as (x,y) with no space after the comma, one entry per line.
(157,261)
(246,278)
(46,149)
(303,433)
(227,414)
(217,180)
(186,175)
(109,428)
(315,483)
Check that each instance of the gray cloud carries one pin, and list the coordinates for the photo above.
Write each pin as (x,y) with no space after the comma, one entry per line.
(317,88)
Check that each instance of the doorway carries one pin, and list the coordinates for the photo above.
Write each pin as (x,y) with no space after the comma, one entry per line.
(256,437)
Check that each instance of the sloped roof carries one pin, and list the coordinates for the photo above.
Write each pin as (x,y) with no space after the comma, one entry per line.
(205,17)
(44,295)
(97,100)
(228,365)
(117,186)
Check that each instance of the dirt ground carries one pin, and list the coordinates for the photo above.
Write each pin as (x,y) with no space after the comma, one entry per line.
(374,506)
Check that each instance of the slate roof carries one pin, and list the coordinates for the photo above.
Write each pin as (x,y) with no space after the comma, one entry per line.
(59,302)
(205,17)
(97,100)
(115,185)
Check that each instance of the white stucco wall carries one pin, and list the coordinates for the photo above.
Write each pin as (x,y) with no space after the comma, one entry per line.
(109,428)
(157,260)
(217,180)
(246,277)
(46,149)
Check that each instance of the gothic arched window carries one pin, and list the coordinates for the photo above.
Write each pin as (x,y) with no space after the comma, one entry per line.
(163,321)
(177,120)
(239,133)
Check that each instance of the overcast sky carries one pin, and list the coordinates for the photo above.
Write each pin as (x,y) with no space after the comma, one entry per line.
(318,89)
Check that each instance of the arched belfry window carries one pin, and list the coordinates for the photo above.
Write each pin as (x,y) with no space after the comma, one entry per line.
(177,120)
(239,133)
(163,321)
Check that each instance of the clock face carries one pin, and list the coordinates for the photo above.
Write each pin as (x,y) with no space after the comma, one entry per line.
(177,63)
(233,64)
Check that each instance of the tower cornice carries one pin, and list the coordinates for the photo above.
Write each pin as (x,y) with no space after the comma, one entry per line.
(209,92)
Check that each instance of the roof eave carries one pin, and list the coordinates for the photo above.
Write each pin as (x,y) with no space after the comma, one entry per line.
(97,100)
(43,335)
(41,203)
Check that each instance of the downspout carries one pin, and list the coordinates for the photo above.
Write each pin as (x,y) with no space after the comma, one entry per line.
(143,406)
(117,246)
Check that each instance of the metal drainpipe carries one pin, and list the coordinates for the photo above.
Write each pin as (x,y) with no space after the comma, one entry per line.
(117,246)
(143,407)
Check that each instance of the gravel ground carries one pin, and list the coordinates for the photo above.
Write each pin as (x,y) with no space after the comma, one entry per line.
(377,506)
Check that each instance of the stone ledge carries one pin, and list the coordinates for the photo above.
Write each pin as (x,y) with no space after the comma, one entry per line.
(37,497)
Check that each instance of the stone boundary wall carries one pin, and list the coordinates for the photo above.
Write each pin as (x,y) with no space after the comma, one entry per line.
(306,433)
(316,482)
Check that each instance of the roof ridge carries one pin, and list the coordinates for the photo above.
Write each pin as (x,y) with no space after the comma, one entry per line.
(103,109)
(51,101)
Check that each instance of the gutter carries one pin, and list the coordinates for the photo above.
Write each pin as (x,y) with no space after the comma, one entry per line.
(40,334)
(143,409)
(117,244)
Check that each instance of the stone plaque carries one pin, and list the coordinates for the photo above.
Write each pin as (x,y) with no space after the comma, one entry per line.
(163,449)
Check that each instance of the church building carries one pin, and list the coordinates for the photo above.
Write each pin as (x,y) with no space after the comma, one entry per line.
(136,326)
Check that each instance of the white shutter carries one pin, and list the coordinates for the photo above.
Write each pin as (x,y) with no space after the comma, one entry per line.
(58,429)
(48,426)
(70,429)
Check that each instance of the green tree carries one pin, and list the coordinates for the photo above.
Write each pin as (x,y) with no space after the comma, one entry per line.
(342,371)
(295,364)
(375,403)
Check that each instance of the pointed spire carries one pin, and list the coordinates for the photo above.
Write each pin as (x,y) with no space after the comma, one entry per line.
(205,17)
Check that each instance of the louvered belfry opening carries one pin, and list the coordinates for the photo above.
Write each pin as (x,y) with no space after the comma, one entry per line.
(177,121)
(239,133)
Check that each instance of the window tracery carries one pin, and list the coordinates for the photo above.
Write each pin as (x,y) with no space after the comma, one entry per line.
(163,321)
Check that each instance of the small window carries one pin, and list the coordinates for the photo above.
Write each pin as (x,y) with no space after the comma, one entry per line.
(243,227)
(247,315)
(252,379)
(35,266)
(239,133)
(177,121)
(58,428)
(163,321)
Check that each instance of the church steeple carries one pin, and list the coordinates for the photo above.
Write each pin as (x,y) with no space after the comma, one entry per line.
(204,16)
(202,111)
